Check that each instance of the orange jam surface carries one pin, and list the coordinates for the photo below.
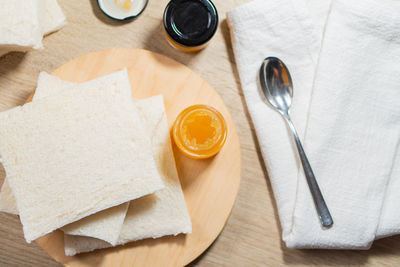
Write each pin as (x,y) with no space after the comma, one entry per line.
(200,131)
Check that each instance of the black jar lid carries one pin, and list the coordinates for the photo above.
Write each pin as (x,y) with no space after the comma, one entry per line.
(190,22)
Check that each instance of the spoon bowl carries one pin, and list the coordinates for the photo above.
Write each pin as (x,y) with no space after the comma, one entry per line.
(276,84)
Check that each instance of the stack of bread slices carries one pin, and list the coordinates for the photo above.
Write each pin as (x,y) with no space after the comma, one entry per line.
(91,161)
(23,23)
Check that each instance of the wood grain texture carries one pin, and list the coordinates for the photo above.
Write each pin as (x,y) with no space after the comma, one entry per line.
(251,236)
(210,186)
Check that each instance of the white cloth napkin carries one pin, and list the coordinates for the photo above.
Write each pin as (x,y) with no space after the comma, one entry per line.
(344,57)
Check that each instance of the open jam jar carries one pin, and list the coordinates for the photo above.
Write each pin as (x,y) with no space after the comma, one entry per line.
(200,131)
(190,24)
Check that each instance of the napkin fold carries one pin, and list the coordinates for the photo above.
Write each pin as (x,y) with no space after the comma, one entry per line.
(343,57)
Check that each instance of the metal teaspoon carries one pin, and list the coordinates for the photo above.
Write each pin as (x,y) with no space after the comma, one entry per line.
(277,88)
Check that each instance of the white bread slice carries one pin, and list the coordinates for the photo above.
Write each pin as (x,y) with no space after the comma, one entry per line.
(74,154)
(21,25)
(47,85)
(153,216)
(152,110)
(54,18)
(93,225)
(112,218)
(104,225)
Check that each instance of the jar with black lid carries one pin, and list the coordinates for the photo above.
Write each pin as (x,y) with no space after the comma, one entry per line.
(190,24)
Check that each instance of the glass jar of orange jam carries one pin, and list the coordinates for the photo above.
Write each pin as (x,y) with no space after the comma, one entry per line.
(200,131)
(190,24)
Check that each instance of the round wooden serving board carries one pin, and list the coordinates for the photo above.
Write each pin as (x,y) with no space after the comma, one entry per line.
(210,186)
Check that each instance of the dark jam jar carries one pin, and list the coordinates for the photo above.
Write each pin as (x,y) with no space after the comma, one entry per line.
(190,24)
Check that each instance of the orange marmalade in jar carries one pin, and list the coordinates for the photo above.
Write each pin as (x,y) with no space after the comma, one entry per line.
(200,131)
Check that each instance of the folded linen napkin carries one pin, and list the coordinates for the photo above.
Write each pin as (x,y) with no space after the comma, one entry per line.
(343,56)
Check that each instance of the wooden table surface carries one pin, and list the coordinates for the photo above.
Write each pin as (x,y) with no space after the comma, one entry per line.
(252,236)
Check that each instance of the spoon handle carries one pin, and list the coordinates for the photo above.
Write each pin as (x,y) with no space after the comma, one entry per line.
(322,209)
